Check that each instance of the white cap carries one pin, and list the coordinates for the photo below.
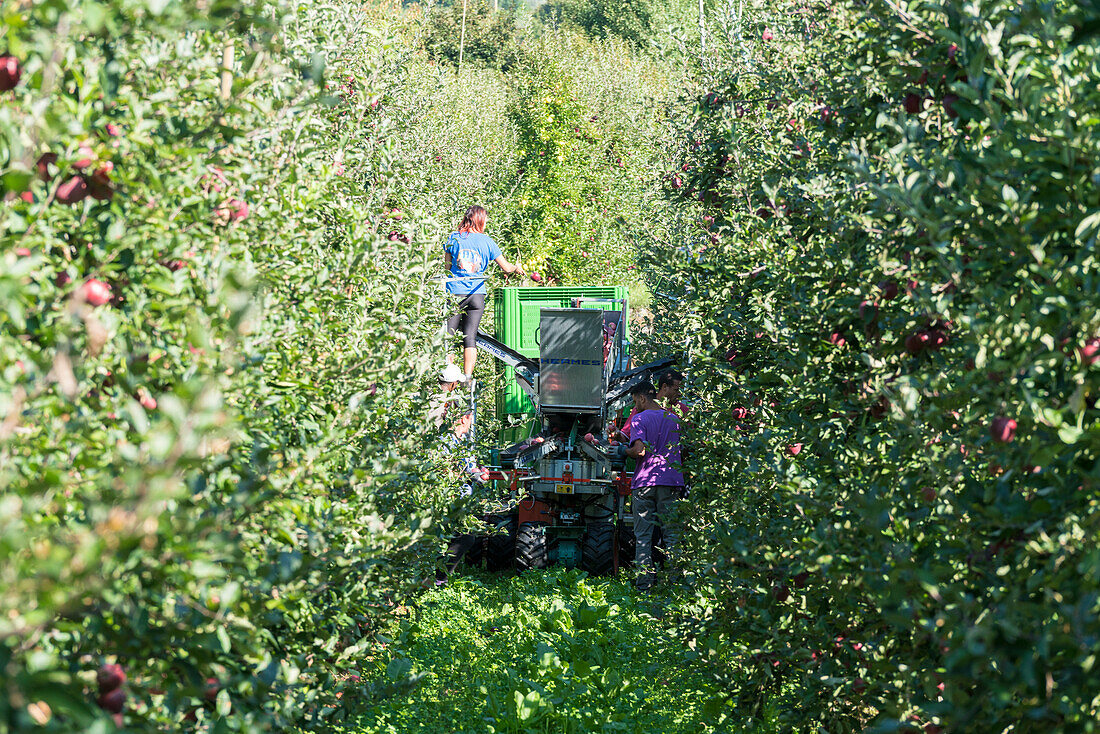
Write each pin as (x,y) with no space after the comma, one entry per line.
(451,373)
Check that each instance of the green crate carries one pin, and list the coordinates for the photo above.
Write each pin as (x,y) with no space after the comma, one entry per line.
(516,319)
(515,434)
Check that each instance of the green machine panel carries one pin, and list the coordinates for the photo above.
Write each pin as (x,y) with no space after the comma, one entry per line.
(517,322)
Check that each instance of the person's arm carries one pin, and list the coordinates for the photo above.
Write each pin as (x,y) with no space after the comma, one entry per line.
(450,251)
(509,267)
(638,443)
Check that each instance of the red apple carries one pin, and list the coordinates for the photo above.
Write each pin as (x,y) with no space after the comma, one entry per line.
(837,339)
(147,401)
(87,156)
(11,71)
(589,438)
(928,494)
(96,292)
(99,183)
(936,338)
(72,191)
(949,101)
(42,165)
(781,592)
(109,677)
(917,343)
(536,277)
(213,685)
(794,449)
(889,289)
(237,210)
(767,35)
(112,701)
(868,311)
(113,130)
(23,251)
(912,103)
(1002,429)
(859,686)
(1090,351)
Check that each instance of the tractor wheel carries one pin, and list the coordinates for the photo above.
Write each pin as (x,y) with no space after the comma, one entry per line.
(476,553)
(626,545)
(532,547)
(598,552)
(500,548)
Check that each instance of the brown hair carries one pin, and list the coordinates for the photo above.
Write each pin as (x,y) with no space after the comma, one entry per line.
(474,221)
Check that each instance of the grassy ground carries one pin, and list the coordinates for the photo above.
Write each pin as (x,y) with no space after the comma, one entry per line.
(547,652)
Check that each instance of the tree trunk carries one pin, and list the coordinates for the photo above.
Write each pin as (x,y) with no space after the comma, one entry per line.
(462,36)
(702,31)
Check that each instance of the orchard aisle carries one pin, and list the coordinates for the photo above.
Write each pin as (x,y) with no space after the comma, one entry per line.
(551,651)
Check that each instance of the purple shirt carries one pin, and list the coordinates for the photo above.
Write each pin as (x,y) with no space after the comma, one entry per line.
(661,430)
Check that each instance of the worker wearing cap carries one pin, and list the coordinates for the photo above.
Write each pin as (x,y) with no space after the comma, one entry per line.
(449,377)
(658,481)
(456,444)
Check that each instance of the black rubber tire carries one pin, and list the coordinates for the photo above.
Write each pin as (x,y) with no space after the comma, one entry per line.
(532,547)
(598,550)
(500,547)
(626,545)
(476,553)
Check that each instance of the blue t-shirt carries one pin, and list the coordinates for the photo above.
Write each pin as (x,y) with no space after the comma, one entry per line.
(471,253)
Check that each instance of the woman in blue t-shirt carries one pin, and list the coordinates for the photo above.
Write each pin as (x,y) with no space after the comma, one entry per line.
(468,254)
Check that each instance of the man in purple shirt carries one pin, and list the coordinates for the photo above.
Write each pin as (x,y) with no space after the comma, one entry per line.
(658,482)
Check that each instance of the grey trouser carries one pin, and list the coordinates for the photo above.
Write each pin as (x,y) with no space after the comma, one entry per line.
(652,508)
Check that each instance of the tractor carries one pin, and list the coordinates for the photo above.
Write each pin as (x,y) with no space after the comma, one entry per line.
(569,482)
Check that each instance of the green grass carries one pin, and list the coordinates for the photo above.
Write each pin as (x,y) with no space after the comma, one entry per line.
(555,651)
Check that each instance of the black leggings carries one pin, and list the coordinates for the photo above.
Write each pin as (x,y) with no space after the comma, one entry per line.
(470,310)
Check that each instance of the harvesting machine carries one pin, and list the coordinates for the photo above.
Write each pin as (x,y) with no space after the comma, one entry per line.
(569,482)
